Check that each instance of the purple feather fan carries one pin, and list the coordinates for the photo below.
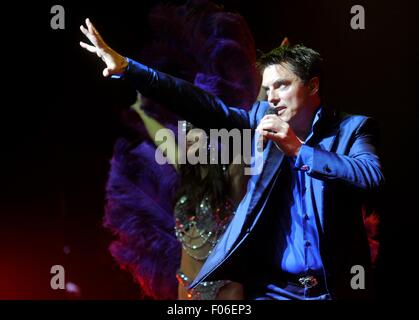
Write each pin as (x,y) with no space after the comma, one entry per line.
(139,211)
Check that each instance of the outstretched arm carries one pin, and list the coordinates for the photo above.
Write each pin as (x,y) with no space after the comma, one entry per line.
(181,97)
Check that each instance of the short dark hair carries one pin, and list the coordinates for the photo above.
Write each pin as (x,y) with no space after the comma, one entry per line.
(306,63)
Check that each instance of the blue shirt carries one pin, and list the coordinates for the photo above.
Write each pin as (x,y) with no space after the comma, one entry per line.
(298,250)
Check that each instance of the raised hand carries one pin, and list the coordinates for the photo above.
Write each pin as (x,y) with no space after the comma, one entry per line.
(115,63)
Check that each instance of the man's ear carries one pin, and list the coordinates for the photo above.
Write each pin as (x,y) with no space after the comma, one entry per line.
(314,85)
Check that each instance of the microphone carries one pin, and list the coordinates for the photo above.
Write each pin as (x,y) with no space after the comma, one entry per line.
(271,110)
(260,143)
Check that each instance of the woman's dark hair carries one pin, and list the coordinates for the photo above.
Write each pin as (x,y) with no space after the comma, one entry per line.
(215,184)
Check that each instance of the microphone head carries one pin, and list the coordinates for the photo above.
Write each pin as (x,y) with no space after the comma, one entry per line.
(271,110)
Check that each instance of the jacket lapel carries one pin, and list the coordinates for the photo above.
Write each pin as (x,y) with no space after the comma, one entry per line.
(273,158)
(236,232)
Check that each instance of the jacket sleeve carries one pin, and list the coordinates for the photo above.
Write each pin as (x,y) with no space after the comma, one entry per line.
(186,100)
(361,167)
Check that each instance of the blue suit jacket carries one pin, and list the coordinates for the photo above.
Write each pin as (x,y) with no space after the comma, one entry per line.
(343,166)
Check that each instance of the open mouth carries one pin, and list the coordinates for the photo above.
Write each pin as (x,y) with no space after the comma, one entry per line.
(278,110)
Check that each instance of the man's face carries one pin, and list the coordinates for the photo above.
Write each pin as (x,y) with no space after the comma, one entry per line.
(286,92)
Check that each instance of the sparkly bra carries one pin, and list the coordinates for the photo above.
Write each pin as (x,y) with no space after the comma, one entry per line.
(199,232)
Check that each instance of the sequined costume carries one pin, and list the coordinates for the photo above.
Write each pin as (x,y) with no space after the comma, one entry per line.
(198,233)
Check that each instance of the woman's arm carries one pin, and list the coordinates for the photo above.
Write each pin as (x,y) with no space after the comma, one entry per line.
(153,126)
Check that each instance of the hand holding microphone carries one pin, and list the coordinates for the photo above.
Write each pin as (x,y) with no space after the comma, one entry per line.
(272,127)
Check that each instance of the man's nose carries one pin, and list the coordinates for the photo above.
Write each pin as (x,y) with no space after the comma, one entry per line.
(273,98)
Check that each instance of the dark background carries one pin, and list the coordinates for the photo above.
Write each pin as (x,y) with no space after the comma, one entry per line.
(60,119)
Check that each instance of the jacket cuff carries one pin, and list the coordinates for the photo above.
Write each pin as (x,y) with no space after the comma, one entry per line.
(304,161)
(315,162)
(132,68)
